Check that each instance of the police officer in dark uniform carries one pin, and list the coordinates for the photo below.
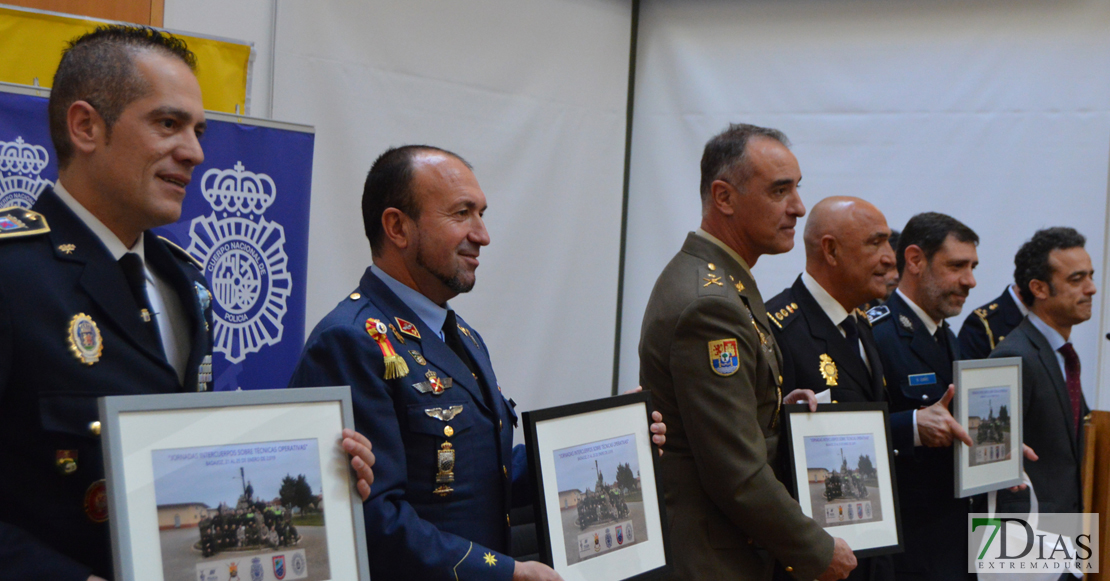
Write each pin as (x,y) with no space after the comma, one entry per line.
(91,304)
(826,342)
(422,382)
(936,255)
(988,325)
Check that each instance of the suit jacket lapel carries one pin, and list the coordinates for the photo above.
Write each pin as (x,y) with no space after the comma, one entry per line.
(435,350)
(1059,384)
(167,267)
(101,277)
(868,339)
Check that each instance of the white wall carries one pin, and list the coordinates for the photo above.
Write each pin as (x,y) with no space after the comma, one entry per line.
(531,92)
(996,112)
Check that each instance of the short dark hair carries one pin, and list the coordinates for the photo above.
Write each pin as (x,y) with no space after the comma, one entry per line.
(1031,260)
(99,68)
(928,231)
(727,154)
(389,185)
(893,239)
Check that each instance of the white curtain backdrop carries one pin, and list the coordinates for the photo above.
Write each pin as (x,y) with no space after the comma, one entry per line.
(996,112)
(531,92)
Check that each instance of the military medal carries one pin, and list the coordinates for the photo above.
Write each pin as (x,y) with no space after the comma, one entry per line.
(466,332)
(417,357)
(96,502)
(446,465)
(828,369)
(85,341)
(204,373)
(395,366)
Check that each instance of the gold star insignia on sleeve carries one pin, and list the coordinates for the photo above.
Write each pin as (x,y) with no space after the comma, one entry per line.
(490,559)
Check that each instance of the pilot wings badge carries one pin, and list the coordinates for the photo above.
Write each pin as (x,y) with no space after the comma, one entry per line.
(244,260)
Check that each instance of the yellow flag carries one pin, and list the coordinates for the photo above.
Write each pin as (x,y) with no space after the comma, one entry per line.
(32,44)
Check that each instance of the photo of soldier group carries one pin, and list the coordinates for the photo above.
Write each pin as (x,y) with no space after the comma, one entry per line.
(843,480)
(988,424)
(600,499)
(245,511)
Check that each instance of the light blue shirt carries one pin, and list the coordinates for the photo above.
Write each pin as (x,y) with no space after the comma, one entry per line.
(1055,340)
(432,314)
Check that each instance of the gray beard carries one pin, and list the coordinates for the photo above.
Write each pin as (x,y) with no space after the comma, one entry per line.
(453,281)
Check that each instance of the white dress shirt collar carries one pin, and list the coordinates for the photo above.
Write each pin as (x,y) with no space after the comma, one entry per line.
(1017,300)
(110,241)
(833,309)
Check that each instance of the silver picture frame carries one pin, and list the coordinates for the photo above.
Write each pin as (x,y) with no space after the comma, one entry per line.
(988,405)
(168,447)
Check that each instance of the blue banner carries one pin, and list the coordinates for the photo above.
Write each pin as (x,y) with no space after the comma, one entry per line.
(245,219)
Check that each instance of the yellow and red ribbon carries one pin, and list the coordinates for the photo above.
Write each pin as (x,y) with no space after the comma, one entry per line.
(395,366)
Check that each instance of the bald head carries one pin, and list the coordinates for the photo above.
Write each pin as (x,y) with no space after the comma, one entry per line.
(847,250)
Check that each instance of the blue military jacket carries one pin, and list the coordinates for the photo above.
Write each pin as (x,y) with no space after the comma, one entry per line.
(988,325)
(418,525)
(54,365)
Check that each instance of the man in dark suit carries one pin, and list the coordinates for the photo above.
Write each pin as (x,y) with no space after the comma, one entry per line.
(91,303)
(990,324)
(936,255)
(1055,277)
(422,382)
(709,359)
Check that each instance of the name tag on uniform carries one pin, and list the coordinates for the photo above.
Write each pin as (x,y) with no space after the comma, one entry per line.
(923,379)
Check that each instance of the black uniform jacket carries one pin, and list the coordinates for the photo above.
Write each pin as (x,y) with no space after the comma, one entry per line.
(53,367)
(918,372)
(988,325)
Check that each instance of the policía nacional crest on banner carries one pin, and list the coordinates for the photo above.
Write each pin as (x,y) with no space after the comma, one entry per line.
(244,260)
(20,166)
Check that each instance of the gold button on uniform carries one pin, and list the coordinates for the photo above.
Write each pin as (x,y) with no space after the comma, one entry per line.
(790,569)
(505,471)
(94,428)
(355,296)
(448,431)
(500,425)
(712,266)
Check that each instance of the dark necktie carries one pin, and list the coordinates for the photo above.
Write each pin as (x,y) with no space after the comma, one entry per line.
(851,332)
(1075,390)
(451,337)
(942,339)
(132,267)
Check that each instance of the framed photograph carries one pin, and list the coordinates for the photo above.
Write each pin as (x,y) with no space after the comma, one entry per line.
(599,507)
(233,486)
(842,468)
(988,405)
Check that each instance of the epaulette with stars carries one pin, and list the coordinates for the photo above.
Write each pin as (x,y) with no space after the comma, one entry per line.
(784,316)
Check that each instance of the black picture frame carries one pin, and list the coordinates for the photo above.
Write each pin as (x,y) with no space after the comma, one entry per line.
(861,427)
(558,440)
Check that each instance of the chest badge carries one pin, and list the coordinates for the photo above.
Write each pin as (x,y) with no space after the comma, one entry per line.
(445,462)
(417,357)
(96,502)
(407,327)
(85,341)
(444,415)
(828,369)
(434,384)
(724,356)
(905,322)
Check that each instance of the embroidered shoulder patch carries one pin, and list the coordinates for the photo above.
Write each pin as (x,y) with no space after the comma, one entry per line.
(724,356)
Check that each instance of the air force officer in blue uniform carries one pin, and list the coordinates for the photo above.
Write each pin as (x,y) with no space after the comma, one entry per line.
(936,255)
(423,386)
